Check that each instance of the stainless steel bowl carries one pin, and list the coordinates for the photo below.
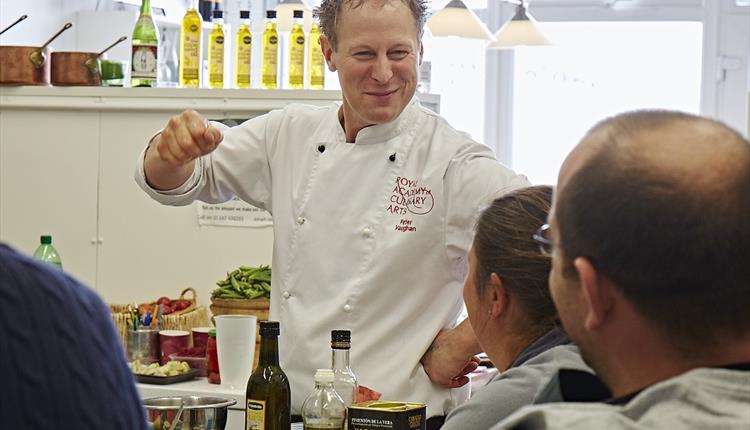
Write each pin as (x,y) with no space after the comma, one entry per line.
(200,413)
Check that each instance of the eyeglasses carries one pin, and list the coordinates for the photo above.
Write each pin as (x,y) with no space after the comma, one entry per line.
(543,238)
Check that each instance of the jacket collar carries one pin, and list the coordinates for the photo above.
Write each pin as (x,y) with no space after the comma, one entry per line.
(380,133)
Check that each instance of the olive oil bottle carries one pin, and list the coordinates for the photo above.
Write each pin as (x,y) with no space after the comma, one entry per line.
(243,53)
(145,49)
(315,61)
(190,49)
(268,396)
(216,51)
(270,59)
(297,52)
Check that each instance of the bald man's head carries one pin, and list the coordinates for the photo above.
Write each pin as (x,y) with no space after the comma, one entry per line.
(659,201)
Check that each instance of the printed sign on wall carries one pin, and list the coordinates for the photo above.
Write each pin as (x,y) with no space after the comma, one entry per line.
(234,213)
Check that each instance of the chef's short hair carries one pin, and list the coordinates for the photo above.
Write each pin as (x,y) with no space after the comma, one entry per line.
(329,11)
(675,240)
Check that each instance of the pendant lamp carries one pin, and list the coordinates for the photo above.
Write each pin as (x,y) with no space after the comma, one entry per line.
(455,19)
(521,30)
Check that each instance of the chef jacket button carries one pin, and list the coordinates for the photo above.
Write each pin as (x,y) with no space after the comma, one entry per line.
(366,232)
(286,294)
(347,308)
(300,220)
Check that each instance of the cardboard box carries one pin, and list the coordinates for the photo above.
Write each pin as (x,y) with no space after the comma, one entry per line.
(387,415)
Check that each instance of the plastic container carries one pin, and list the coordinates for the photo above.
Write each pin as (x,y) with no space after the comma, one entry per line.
(212,359)
(200,363)
(324,408)
(47,253)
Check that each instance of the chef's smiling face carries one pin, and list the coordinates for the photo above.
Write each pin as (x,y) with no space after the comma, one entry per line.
(377,60)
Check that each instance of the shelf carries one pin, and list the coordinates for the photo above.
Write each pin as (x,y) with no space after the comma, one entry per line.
(170,99)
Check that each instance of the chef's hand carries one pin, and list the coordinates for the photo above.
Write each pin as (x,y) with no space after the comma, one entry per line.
(171,155)
(451,356)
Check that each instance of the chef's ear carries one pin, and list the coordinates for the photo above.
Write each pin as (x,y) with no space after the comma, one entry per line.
(498,297)
(327,48)
(421,52)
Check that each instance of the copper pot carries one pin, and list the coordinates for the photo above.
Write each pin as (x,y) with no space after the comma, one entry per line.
(26,65)
(78,68)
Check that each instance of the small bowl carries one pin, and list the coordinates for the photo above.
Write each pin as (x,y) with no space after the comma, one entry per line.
(199,412)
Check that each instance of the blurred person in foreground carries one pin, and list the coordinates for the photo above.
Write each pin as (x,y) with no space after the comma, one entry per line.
(650,239)
(373,201)
(62,360)
(511,312)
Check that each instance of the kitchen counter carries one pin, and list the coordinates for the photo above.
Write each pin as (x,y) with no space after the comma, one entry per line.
(201,387)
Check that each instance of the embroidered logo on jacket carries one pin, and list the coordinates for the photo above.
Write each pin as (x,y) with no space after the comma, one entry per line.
(408,197)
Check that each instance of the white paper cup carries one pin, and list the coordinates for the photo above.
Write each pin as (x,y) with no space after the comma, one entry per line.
(235,346)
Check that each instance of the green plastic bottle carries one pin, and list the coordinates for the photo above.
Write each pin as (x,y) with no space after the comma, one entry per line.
(47,253)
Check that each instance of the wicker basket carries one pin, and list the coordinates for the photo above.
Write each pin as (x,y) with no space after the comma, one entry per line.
(257,307)
(186,319)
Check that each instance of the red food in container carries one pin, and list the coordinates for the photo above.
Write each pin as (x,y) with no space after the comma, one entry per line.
(212,356)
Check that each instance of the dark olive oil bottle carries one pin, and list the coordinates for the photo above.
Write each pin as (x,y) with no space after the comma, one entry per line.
(268,397)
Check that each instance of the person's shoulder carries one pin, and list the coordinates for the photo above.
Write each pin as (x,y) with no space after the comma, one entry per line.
(433,122)
(580,416)
(306,111)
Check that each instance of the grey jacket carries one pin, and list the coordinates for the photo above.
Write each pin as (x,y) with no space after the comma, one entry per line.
(524,383)
(704,398)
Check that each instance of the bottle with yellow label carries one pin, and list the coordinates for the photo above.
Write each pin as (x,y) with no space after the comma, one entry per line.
(315,62)
(297,52)
(190,49)
(270,59)
(243,53)
(216,51)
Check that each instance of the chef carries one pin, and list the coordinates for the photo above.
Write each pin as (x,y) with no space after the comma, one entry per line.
(373,202)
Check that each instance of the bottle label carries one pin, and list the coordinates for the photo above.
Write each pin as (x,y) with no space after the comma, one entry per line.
(144,61)
(255,416)
(190,57)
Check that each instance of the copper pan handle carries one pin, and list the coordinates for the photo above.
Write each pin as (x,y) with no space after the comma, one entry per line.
(37,56)
(92,64)
(17,21)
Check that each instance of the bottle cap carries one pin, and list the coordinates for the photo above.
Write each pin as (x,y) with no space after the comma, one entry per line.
(271,14)
(212,332)
(298,14)
(269,328)
(341,339)
(244,14)
(46,240)
(218,13)
(324,375)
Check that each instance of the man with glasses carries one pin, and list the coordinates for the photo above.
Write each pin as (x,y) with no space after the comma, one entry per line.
(650,238)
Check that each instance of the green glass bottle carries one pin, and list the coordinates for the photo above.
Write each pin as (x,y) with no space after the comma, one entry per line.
(145,49)
(268,396)
(47,253)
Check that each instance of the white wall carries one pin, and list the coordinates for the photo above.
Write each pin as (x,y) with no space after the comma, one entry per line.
(45,17)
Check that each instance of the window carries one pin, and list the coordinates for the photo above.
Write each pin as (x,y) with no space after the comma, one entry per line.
(595,70)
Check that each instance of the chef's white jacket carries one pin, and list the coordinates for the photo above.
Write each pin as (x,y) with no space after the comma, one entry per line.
(370,236)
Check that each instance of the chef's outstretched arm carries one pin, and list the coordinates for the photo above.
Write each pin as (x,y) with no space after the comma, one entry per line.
(170,157)
(452,356)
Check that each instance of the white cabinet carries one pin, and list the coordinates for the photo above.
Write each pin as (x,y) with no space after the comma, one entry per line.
(67,157)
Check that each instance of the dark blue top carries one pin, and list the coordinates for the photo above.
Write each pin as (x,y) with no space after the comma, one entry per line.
(61,361)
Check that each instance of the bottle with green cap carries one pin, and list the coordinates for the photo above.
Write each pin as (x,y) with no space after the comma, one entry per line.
(47,253)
